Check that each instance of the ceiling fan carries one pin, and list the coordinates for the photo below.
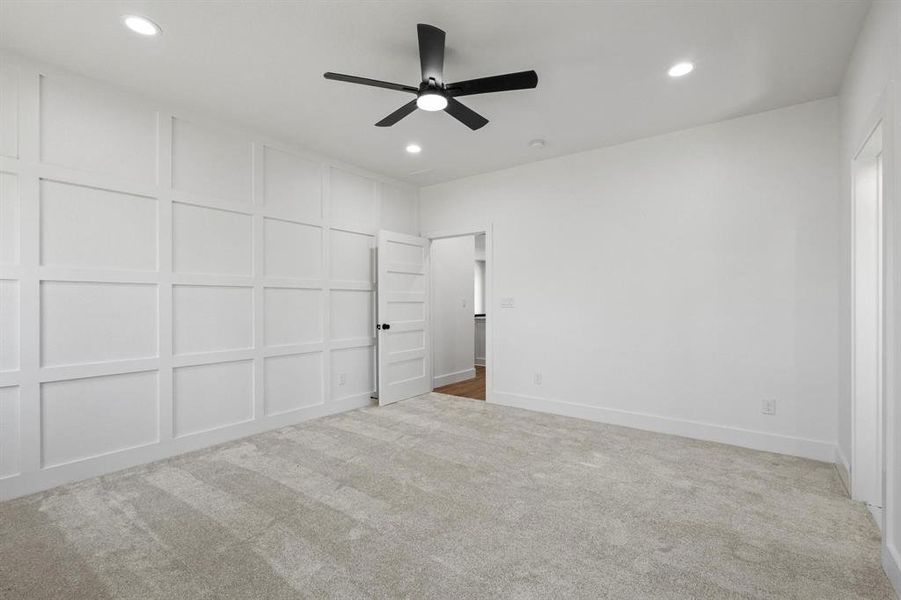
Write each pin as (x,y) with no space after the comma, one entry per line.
(433,93)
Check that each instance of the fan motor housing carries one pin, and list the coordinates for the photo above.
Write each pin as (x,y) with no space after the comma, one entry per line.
(431,87)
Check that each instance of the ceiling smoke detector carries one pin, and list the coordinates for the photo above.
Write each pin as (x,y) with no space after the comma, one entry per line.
(141,25)
(681,69)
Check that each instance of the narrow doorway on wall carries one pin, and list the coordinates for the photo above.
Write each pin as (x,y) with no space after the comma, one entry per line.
(459,317)
(867,477)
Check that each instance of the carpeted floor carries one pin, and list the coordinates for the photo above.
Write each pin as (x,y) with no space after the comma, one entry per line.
(440,497)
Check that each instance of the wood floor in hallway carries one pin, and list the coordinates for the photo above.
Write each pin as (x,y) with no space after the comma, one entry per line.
(471,388)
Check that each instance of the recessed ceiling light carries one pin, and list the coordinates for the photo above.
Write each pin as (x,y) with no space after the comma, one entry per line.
(431,102)
(141,25)
(680,69)
(538,144)
(414,148)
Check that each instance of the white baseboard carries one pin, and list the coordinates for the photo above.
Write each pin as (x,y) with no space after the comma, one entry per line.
(24,484)
(480,361)
(746,438)
(878,518)
(844,468)
(449,378)
(891,563)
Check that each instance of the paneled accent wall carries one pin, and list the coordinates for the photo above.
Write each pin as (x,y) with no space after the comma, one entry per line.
(168,282)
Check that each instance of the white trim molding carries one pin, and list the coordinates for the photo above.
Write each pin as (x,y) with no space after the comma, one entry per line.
(147,365)
(487,230)
(891,563)
(842,466)
(734,436)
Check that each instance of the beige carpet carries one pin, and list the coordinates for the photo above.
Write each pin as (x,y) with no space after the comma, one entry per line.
(439,497)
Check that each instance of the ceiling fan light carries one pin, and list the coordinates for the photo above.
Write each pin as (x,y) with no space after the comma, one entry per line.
(431,102)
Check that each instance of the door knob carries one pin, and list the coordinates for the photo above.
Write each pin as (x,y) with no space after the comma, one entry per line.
(385,326)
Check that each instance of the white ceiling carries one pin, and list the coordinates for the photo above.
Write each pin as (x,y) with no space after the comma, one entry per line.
(601,67)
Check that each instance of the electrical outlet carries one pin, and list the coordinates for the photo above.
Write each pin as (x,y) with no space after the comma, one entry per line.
(342,378)
(768,407)
(537,379)
(508,303)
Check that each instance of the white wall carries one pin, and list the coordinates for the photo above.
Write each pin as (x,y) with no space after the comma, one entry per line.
(478,282)
(672,283)
(169,282)
(870,92)
(872,67)
(453,344)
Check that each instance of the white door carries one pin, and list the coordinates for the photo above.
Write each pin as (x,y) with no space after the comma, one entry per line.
(403,317)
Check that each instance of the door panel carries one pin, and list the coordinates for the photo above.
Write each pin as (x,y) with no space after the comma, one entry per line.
(404,351)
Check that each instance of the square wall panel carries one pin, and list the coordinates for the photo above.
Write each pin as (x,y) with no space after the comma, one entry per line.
(292,250)
(292,185)
(97,322)
(87,227)
(89,417)
(292,382)
(92,128)
(351,314)
(292,316)
(213,396)
(400,210)
(351,257)
(10,222)
(352,199)
(9,431)
(212,241)
(211,318)
(9,325)
(352,372)
(211,162)
(9,111)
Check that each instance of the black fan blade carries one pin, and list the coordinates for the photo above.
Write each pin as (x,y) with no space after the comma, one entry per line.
(397,115)
(431,52)
(465,115)
(373,82)
(499,83)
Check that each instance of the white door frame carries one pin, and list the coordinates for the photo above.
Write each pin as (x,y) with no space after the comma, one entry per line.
(867,431)
(881,120)
(489,298)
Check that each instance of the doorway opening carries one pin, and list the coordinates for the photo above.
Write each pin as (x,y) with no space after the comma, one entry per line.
(867,460)
(459,264)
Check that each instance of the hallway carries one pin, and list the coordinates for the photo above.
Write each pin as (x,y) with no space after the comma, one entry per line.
(471,388)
